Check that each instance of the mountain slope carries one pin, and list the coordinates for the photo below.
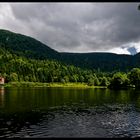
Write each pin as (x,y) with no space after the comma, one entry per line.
(17,68)
(31,48)
(102,61)
(26,46)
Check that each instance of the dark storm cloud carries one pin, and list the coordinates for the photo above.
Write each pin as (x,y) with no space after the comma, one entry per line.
(78,26)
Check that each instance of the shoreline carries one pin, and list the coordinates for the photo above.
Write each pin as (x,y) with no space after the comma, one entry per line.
(39,84)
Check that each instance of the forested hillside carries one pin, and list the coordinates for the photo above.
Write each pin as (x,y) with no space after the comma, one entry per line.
(101,61)
(20,69)
(28,47)
(17,68)
(25,59)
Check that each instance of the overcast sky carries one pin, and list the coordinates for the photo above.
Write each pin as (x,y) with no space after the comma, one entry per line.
(76,27)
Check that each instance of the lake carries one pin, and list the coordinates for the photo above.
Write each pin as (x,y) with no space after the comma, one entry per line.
(69,112)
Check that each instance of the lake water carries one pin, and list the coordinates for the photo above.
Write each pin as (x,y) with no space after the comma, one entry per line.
(69,112)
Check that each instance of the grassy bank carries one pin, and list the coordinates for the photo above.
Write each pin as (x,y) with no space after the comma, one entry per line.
(37,84)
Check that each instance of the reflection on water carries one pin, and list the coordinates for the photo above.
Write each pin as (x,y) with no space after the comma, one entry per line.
(2,96)
(69,112)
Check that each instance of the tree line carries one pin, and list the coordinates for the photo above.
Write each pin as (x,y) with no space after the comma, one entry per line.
(15,68)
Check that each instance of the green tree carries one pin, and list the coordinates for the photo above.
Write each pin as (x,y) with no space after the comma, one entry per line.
(62,80)
(81,78)
(104,82)
(26,78)
(66,78)
(134,77)
(96,81)
(13,77)
(90,81)
(119,80)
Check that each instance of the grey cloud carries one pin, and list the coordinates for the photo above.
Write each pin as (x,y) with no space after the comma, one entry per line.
(79,26)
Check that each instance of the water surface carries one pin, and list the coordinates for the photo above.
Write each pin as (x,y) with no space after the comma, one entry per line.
(69,112)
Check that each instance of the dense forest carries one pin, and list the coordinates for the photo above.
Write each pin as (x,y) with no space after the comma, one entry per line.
(28,47)
(18,69)
(23,58)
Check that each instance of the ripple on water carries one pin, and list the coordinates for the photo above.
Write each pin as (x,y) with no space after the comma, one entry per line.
(103,121)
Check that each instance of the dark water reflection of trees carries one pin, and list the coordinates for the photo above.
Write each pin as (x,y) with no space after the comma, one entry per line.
(25,106)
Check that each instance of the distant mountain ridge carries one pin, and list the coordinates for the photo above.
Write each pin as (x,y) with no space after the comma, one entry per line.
(31,48)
